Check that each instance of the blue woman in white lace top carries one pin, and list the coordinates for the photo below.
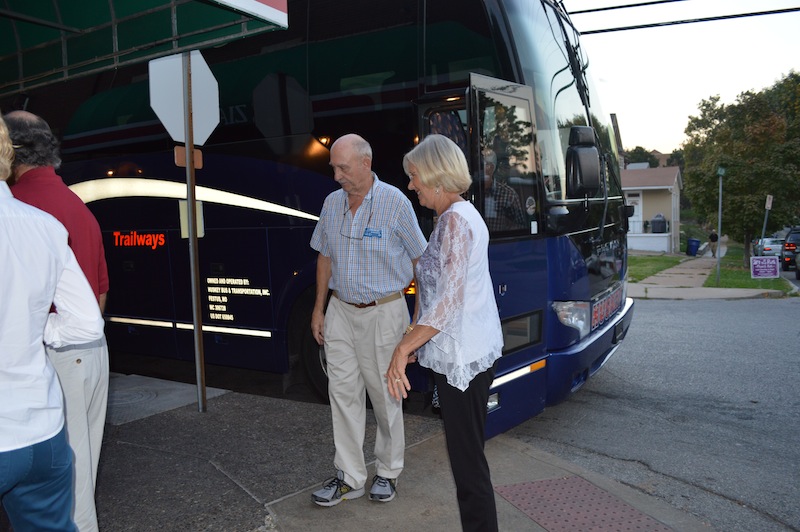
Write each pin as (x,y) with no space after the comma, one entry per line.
(456,331)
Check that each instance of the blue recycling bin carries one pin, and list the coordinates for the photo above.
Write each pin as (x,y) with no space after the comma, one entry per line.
(692,245)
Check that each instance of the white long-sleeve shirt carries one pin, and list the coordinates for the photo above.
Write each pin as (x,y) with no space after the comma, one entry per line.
(37,270)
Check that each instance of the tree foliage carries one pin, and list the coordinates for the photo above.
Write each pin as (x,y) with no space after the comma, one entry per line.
(676,159)
(757,141)
(640,155)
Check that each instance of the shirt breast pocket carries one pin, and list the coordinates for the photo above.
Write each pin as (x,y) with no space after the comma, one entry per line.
(376,239)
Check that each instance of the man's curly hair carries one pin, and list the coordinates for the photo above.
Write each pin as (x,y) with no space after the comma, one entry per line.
(34,142)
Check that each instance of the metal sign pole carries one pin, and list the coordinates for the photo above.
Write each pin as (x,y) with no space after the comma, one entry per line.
(191,209)
(720,173)
(767,207)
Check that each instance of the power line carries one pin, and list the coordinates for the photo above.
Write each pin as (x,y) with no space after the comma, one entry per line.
(640,4)
(692,21)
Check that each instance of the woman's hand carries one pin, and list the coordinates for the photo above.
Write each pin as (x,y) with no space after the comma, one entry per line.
(396,379)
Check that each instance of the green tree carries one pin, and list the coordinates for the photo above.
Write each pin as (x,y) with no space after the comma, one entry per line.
(676,159)
(757,141)
(640,155)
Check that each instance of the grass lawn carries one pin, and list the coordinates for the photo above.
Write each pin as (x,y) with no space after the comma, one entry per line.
(640,267)
(733,273)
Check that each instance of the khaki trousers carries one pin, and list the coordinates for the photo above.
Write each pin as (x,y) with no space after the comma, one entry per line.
(83,373)
(358,347)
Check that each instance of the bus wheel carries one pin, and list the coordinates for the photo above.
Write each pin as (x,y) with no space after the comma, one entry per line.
(303,344)
(316,367)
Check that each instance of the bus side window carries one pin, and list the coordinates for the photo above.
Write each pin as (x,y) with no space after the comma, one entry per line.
(449,124)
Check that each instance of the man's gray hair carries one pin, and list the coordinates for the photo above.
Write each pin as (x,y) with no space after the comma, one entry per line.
(34,142)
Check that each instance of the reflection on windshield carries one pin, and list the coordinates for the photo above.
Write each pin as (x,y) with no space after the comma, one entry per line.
(546,66)
(508,162)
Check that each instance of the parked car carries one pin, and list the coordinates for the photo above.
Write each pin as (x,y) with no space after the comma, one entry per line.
(770,247)
(756,244)
(789,251)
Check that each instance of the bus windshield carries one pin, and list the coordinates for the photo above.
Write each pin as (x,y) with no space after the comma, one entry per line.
(542,39)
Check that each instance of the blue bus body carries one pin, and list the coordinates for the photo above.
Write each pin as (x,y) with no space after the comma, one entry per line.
(506,79)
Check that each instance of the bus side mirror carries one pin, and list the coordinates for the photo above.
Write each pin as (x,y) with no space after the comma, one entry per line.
(583,163)
(626,211)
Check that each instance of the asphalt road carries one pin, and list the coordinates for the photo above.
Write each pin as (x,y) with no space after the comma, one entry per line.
(790,276)
(698,407)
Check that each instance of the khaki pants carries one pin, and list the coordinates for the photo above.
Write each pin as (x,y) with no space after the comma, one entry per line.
(358,347)
(83,373)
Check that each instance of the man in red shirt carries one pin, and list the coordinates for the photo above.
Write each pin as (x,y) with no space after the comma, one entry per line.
(82,369)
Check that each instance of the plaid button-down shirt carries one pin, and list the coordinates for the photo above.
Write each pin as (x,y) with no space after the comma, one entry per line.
(371,251)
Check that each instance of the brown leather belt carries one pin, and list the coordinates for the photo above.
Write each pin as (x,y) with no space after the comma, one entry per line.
(381,301)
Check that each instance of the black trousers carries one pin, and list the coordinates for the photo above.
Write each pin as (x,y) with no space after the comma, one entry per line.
(464,416)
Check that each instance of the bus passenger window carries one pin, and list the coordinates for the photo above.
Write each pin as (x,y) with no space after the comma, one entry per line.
(449,124)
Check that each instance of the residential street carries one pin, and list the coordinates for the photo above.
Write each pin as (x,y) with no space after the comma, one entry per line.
(699,407)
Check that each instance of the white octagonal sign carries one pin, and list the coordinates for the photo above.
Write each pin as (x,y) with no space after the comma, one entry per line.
(167,96)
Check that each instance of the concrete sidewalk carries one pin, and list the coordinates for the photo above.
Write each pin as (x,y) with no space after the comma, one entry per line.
(685,281)
(250,463)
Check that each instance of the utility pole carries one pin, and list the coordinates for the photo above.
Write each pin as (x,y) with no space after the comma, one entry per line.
(720,173)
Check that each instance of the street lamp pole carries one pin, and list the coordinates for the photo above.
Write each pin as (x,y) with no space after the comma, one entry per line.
(720,173)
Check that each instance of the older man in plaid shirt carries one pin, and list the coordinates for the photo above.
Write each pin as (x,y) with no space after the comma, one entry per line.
(368,241)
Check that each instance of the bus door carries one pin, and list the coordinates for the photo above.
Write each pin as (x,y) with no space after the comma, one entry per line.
(495,127)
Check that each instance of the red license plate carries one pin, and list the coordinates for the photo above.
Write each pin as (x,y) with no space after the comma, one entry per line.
(605,308)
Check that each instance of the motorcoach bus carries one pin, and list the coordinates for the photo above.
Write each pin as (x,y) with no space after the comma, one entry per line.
(507,80)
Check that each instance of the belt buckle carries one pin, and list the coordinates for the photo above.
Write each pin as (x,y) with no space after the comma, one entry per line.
(364,305)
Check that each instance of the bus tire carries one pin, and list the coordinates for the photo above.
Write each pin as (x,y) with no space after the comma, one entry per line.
(316,367)
(303,342)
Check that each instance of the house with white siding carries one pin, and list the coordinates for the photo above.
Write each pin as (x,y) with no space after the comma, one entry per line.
(655,194)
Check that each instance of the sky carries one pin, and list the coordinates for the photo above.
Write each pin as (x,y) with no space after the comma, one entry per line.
(654,79)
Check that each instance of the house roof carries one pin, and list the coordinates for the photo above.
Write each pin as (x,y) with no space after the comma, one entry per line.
(662,157)
(652,178)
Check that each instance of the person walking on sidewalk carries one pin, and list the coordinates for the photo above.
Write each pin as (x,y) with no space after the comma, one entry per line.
(457,334)
(713,238)
(368,241)
(82,368)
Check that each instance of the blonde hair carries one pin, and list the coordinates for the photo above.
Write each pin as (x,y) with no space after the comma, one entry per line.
(6,151)
(439,163)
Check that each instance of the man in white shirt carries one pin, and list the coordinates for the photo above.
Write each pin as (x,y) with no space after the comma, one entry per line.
(37,270)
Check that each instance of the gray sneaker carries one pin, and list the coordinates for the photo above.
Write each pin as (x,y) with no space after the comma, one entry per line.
(336,490)
(383,489)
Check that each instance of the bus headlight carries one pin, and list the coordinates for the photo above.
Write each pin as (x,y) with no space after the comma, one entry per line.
(574,314)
